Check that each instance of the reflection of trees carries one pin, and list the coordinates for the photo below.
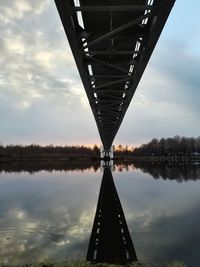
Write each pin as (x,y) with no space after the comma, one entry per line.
(165,170)
(60,165)
(179,172)
(37,166)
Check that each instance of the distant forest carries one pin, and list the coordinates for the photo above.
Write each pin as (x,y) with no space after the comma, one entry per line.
(55,153)
(156,147)
(35,152)
(166,146)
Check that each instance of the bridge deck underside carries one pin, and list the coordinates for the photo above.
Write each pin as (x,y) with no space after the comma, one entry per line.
(112,41)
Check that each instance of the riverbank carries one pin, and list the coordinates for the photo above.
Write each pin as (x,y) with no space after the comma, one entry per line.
(83,263)
(151,165)
(86,158)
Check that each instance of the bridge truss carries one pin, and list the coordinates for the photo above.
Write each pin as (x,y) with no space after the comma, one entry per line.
(112,41)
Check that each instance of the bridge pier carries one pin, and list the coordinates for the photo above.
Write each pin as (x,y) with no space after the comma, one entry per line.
(107,154)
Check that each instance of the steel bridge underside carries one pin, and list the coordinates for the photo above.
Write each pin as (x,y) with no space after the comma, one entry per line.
(112,41)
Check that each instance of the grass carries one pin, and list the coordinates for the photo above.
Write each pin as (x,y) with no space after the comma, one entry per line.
(83,263)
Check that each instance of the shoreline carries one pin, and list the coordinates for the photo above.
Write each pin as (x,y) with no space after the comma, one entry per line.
(88,158)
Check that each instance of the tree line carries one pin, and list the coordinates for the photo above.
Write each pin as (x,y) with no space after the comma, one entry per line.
(49,151)
(156,147)
(166,146)
(35,150)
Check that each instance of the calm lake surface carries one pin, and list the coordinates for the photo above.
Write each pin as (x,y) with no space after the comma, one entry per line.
(49,215)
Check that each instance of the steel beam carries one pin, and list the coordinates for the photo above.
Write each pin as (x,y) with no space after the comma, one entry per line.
(112,52)
(111,8)
(114,82)
(118,29)
(106,64)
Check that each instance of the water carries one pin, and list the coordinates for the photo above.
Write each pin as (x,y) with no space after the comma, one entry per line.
(49,214)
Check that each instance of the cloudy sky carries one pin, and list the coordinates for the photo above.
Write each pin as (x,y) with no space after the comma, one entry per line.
(42,99)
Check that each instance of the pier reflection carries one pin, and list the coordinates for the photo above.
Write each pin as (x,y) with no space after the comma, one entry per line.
(110,239)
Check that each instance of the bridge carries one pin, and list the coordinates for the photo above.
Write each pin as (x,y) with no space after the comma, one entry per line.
(112,42)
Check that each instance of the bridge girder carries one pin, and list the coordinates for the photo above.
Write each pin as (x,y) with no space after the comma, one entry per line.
(112,45)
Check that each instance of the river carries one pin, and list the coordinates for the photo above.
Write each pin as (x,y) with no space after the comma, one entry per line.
(49,215)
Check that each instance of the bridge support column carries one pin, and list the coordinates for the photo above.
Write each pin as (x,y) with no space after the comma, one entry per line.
(106,154)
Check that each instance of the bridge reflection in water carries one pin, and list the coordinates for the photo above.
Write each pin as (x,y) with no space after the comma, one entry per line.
(110,239)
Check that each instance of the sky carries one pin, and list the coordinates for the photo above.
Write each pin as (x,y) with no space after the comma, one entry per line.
(42,99)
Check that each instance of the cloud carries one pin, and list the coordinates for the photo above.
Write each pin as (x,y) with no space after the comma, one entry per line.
(42,97)
(13,10)
(166,101)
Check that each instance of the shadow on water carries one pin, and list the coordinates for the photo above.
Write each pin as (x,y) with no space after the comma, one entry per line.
(110,239)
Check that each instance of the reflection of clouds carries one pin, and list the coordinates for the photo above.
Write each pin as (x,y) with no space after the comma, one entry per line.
(162,217)
(63,242)
(169,237)
(140,218)
(41,239)
(84,225)
(41,217)
(50,216)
